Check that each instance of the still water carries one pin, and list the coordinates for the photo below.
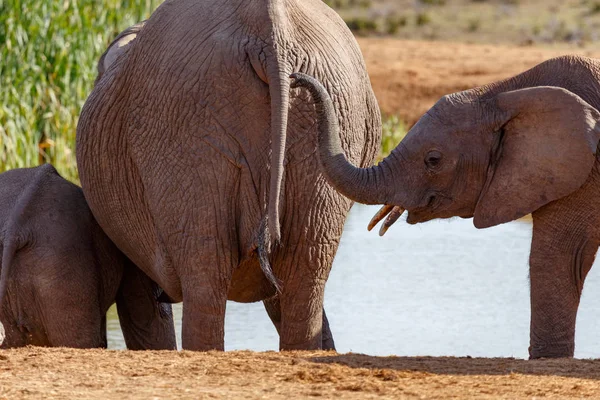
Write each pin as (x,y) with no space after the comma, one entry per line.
(442,288)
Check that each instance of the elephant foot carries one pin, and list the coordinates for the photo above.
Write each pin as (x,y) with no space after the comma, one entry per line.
(202,329)
(300,347)
(328,344)
(538,351)
(314,343)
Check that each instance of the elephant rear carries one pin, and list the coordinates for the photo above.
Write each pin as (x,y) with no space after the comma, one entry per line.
(200,163)
(53,290)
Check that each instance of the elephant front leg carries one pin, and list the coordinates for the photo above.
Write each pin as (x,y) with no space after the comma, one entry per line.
(273,307)
(560,259)
(301,303)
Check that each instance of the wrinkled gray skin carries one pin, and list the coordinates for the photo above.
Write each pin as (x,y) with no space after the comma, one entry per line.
(60,273)
(496,153)
(200,163)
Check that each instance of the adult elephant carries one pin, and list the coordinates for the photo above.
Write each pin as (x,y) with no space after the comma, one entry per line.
(527,144)
(200,163)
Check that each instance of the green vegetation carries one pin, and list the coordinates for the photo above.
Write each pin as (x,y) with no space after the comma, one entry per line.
(48,55)
(434,2)
(348,3)
(545,22)
(362,25)
(393,24)
(423,18)
(394,130)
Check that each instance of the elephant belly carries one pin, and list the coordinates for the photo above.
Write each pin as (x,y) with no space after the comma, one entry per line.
(248,283)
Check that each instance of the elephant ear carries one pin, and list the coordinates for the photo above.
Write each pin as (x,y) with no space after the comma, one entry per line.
(118,47)
(545,150)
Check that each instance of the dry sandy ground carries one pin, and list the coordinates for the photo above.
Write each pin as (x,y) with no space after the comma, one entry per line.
(34,373)
(410,76)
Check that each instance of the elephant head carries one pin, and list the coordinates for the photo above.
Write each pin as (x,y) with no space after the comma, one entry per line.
(495,158)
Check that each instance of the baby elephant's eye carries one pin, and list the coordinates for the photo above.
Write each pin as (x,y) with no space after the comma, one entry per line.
(433,159)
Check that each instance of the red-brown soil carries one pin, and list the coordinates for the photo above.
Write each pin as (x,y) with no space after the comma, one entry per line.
(34,373)
(410,76)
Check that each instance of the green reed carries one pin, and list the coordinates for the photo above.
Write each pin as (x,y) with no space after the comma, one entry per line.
(48,55)
(393,131)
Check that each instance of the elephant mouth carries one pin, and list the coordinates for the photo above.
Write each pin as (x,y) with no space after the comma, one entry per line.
(391,215)
(436,207)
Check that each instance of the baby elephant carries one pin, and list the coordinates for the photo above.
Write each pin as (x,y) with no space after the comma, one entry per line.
(60,273)
(528,144)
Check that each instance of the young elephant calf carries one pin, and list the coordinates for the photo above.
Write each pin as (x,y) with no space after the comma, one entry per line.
(524,145)
(60,273)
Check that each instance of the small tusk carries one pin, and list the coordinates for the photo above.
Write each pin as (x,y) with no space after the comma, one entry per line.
(383,211)
(389,221)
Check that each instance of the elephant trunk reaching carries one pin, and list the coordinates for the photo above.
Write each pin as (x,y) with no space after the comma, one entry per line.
(364,185)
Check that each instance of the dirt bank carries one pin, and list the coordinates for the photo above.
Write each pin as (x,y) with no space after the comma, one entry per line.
(410,76)
(34,373)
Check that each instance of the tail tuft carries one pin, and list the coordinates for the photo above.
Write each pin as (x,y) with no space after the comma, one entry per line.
(264,247)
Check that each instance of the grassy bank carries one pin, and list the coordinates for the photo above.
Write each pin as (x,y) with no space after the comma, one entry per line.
(48,54)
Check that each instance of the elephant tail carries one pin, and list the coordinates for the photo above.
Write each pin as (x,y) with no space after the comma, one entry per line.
(279,91)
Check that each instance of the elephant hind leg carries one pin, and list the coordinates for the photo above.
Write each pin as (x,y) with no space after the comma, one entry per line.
(274,311)
(273,308)
(327,336)
(147,324)
(196,215)
(206,279)
(203,325)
